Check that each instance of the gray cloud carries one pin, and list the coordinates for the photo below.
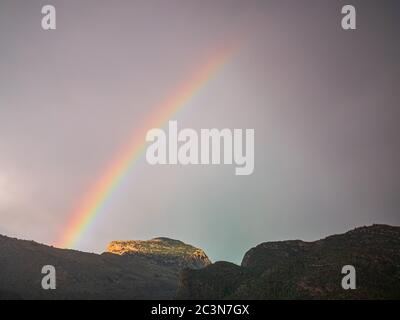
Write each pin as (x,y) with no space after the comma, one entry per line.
(324,103)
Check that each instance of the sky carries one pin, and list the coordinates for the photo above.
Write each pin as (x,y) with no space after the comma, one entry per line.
(324,104)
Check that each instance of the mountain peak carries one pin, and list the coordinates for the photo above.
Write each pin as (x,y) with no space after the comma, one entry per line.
(163,250)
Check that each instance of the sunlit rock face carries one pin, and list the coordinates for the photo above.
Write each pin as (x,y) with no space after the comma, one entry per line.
(163,251)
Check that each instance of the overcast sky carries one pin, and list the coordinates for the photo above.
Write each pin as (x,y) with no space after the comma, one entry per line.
(324,104)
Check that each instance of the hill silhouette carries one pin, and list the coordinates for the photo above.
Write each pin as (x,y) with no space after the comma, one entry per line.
(83,275)
(164,268)
(305,270)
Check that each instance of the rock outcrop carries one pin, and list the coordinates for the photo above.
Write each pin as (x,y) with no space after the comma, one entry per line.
(162,251)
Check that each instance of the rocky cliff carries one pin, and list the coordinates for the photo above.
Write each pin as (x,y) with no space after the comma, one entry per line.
(162,251)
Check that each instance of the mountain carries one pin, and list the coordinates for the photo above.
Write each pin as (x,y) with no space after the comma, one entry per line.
(305,270)
(162,251)
(164,268)
(81,275)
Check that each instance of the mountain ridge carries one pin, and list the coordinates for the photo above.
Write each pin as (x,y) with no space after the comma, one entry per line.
(295,269)
(81,275)
(162,268)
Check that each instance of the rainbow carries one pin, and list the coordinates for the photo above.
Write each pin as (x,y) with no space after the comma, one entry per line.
(93,202)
